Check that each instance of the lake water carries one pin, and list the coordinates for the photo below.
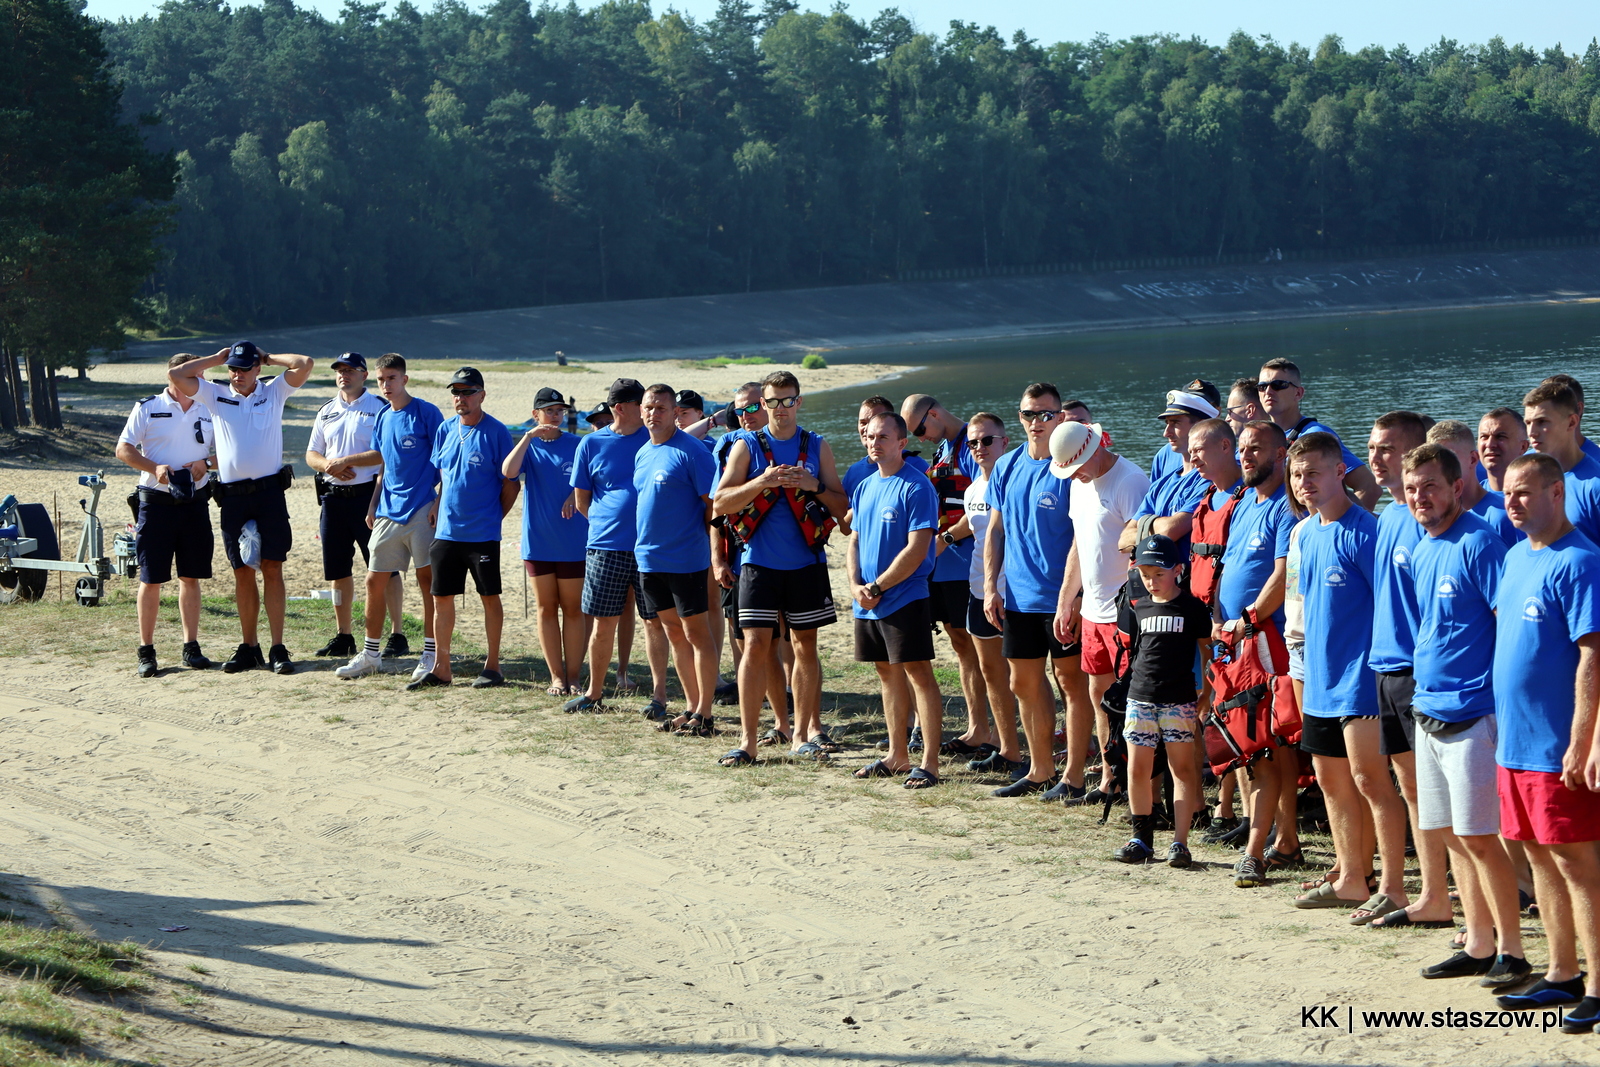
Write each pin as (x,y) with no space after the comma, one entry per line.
(1448,364)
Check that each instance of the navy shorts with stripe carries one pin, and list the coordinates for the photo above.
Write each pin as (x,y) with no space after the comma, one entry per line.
(802,596)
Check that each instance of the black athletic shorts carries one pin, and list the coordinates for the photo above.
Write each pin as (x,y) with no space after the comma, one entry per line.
(1323,735)
(1399,733)
(165,531)
(684,593)
(948,602)
(730,611)
(1031,635)
(270,510)
(453,560)
(906,636)
(802,596)
(343,527)
(978,624)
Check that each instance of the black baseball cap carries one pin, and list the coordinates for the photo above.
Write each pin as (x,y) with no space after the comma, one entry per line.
(548,398)
(1207,390)
(688,398)
(1158,550)
(243,355)
(467,376)
(352,359)
(602,410)
(625,391)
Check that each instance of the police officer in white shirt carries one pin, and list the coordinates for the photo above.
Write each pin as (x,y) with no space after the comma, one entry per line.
(168,440)
(247,415)
(342,454)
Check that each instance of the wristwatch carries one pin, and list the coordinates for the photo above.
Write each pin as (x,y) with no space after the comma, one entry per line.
(873,591)
(947,538)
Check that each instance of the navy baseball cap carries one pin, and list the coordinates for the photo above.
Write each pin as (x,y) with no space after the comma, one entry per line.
(625,391)
(1158,550)
(601,411)
(467,376)
(548,398)
(352,359)
(243,355)
(688,398)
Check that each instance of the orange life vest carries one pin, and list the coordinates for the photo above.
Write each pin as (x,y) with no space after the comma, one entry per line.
(816,522)
(951,485)
(1253,705)
(1208,538)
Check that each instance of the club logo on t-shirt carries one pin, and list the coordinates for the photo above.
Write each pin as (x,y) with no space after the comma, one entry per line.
(1048,502)
(566,470)
(1533,610)
(1256,543)
(475,460)
(1448,586)
(408,442)
(890,515)
(1334,577)
(660,477)
(1401,557)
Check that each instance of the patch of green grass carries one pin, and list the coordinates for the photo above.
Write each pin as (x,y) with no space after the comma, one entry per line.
(333,718)
(729,361)
(813,361)
(60,958)
(199,969)
(188,994)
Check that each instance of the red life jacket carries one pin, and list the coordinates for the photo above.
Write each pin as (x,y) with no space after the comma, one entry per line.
(951,485)
(816,522)
(1252,697)
(1208,538)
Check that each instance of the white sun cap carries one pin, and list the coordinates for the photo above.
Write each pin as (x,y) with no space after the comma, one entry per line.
(1071,445)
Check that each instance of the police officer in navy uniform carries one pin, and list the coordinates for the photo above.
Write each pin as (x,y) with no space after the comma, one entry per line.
(342,453)
(247,415)
(168,440)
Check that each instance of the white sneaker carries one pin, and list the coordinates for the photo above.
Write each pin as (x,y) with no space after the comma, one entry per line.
(361,664)
(424,667)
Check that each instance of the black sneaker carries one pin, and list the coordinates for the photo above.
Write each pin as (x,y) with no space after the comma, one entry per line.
(278,659)
(995,763)
(1544,994)
(1507,970)
(147,661)
(342,645)
(1022,787)
(1065,792)
(726,694)
(915,744)
(1249,873)
(245,658)
(396,646)
(193,658)
(1178,855)
(1220,828)
(1135,851)
(1460,965)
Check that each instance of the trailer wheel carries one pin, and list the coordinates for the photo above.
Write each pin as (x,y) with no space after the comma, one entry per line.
(34,519)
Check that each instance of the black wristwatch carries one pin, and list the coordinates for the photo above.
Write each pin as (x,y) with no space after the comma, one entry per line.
(873,591)
(947,538)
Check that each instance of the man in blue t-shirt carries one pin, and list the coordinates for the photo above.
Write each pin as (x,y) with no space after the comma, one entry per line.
(469,450)
(1551,414)
(1029,536)
(1546,689)
(602,480)
(788,471)
(1176,488)
(673,476)
(955,468)
(1502,437)
(1487,504)
(1254,570)
(890,561)
(1457,568)
(1394,635)
(1281,392)
(402,513)
(1340,707)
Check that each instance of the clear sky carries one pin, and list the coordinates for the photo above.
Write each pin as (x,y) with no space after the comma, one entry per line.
(1416,23)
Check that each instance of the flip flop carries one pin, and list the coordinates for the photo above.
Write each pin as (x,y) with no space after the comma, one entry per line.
(878,769)
(1379,904)
(556,691)
(736,758)
(774,736)
(583,703)
(808,750)
(1323,897)
(826,743)
(1402,917)
(921,779)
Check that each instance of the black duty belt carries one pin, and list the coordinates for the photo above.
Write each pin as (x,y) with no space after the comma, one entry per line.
(157,496)
(244,487)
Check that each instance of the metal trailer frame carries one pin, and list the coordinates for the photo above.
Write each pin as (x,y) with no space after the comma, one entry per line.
(91,562)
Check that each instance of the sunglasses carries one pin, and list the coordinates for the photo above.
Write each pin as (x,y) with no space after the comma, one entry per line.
(464,392)
(922,427)
(985,441)
(1038,416)
(748,409)
(1274,385)
(780,401)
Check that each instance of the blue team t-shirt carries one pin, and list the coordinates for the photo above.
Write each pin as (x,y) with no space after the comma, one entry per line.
(1257,538)
(887,510)
(864,466)
(1591,449)
(1034,518)
(1394,614)
(954,564)
(1176,493)
(469,459)
(405,440)
(719,452)
(1167,461)
(1310,425)
(1491,508)
(1458,582)
(777,542)
(603,467)
(671,482)
(1548,599)
(546,484)
(1583,497)
(1336,582)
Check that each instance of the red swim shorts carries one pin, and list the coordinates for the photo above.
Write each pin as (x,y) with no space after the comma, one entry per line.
(1535,806)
